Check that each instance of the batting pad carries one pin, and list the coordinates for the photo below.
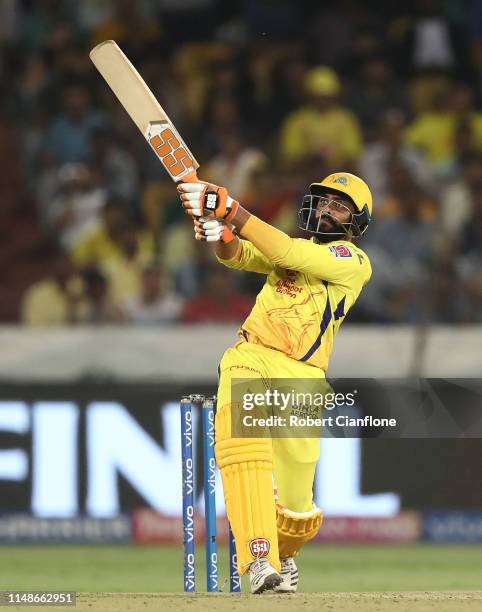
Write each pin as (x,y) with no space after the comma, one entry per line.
(295,529)
(246,467)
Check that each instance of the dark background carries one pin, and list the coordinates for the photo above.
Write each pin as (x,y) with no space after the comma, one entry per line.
(425,473)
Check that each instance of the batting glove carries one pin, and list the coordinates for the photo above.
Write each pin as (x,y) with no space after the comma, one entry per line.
(213,230)
(207,200)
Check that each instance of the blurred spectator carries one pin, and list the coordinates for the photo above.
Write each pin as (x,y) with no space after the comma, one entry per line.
(155,304)
(69,134)
(223,117)
(285,77)
(369,38)
(124,270)
(56,300)
(434,131)
(166,85)
(469,263)
(426,38)
(334,31)
(275,194)
(445,302)
(99,307)
(129,24)
(72,65)
(390,148)
(235,165)
(475,31)
(46,24)
(457,199)
(374,92)
(92,13)
(321,127)
(184,258)
(403,186)
(432,37)
(8,20)
(401,252)
(33,83)
(10,161)
(41,181)
(199,66)
(231,79)
(77,207)
(218,301)
(101,241)
(116,166)
(464,147)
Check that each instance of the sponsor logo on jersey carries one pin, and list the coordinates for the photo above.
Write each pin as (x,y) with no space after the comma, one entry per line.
(340,250)
(259,547)
(288,287)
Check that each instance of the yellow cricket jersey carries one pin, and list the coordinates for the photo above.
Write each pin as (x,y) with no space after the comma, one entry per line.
(308,291)
(334,132)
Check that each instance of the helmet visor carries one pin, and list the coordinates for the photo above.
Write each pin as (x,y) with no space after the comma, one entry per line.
(316,208)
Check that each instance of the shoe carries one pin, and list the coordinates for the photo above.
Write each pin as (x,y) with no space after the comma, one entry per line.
(262,576)
(289,574)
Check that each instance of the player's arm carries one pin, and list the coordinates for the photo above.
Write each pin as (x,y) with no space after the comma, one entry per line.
(276,246)
(247,257)
(301,255)
(230,250)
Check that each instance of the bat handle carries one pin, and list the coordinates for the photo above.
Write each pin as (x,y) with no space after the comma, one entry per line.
(190,177)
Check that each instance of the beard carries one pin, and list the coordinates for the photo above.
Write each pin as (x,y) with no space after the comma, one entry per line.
(332,229)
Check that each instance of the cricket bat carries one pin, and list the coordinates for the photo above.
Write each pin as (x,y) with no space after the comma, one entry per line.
(145,111)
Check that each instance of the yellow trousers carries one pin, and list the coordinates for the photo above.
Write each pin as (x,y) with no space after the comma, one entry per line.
(248,467)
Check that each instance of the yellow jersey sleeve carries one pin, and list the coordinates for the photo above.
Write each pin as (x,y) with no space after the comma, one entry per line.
(338,262)
(248,258)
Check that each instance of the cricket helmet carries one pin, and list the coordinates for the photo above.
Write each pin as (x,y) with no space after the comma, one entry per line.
(347,185)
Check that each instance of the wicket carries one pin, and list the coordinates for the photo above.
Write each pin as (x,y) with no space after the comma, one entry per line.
(209,485)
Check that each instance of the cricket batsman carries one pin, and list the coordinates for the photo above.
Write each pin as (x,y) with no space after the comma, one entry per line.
(310,286)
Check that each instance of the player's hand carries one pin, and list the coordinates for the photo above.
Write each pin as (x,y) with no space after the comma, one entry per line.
(213,230)
(203,199)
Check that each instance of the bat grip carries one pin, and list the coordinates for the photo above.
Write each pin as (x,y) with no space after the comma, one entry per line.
(190,177)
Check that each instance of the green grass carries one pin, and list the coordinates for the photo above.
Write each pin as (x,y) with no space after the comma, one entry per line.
(322,568)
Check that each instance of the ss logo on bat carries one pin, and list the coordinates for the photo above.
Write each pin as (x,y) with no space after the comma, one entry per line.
(171,152)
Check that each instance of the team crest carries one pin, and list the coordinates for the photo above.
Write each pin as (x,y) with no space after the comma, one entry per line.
(340,250)
(342,180)
(259,547)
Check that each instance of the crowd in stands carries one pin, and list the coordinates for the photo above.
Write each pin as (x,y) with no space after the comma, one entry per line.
(270,95)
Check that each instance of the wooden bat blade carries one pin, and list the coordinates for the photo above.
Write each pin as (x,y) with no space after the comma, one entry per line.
(143,108)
